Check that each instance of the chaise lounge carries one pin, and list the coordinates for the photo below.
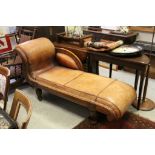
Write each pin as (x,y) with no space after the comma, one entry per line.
(60,72)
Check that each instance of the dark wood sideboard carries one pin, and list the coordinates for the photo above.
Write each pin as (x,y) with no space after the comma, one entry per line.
(108,35)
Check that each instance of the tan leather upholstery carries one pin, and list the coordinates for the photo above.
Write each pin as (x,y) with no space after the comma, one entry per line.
(58,75)
(106,95)
(68,59)
(38,57)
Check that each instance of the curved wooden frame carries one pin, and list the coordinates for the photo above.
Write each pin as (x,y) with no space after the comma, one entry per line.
(18,100)
(5,72)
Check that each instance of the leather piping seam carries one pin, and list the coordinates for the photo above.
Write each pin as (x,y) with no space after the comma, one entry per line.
(72,79)
(105,88)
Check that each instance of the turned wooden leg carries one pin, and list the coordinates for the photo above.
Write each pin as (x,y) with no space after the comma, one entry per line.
(92,114)
(39,94)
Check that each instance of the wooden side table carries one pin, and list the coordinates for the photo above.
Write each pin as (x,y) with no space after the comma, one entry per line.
(108,35)
(141,64)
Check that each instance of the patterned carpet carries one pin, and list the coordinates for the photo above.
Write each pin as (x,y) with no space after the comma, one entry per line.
(128,121)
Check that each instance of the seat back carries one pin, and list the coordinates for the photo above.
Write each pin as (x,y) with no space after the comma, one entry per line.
(4,84)
(36,54)
(26,34)
(21,100)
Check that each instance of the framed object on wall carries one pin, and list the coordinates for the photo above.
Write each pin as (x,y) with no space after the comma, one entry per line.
(5,44)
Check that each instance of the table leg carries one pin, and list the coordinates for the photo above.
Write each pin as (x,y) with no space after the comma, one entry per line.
(97,67)
(140,89)
(110,71)
(136,80)
(89,64)
(93,65)
(146,83)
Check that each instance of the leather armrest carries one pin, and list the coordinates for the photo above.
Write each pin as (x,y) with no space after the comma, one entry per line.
(72,56)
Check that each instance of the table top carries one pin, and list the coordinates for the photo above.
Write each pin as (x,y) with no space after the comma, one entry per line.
(142,59)
(109,32)
(6,122)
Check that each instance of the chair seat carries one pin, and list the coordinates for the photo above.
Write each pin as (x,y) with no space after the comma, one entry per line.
(74,82)
(88,86)
(101,91)
(58,75)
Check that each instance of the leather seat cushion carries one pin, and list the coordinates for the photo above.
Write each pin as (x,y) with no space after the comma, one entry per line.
(88,85)
(76,83)
(101,91)
(118,95)
(58,75)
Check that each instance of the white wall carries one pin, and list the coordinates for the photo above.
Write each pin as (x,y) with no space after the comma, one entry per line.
(7,29)
(3,30)
(145,36)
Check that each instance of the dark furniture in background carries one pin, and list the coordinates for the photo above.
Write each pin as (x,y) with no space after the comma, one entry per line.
(45,31)
(26,33)
(147,49)
(106,34)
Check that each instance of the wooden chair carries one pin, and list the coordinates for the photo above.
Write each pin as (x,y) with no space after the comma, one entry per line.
(12,60)
(7,59)
(21,100)
(4,84)
(25,34)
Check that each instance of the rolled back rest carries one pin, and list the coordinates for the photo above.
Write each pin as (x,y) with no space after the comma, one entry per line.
(36,54)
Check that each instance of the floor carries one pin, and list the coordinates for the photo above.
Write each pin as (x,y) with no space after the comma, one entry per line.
(54,112)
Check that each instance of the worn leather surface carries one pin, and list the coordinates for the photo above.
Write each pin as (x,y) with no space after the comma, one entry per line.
(106,95)
(59,75)
(88,85)
(68,59)
(39,54)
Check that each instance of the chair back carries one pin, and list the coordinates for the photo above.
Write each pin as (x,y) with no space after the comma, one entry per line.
(4,84)
(21,100)
(26,34)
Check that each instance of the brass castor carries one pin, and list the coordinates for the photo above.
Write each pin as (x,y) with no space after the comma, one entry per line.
(39,94)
